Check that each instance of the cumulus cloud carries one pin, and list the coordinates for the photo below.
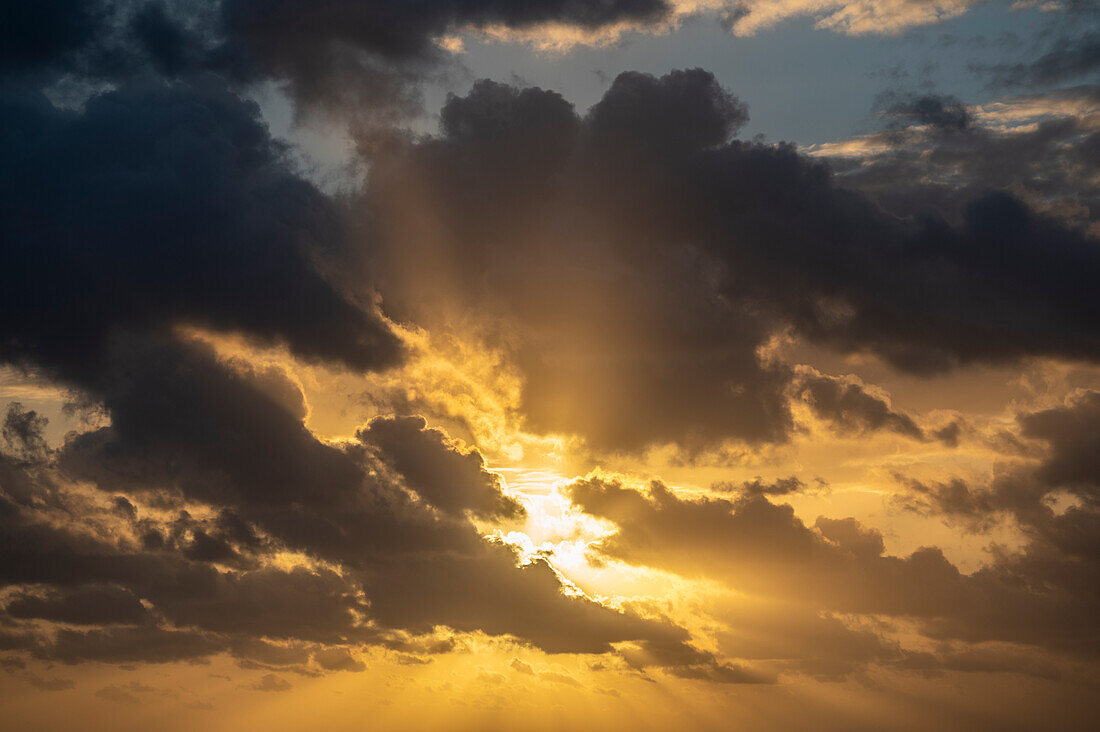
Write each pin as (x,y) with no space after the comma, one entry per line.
(81,606)
(447,477)
(48,32)
(848,406)
(365,58)
(758,487)
(634,262)
(518,179)
(228,240)
(117,695)
(1071,432)
(639,261)
(270,682)
(1026,491)
(1071,51)
(839,566)
(403,566)
(937,153)
(22,431)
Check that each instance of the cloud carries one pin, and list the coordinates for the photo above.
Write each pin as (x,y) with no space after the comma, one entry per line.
(398,30)
(604,332)
(944,113)
(677,114)
(81,606)
(49,684)
(1073,435)
(802,640)
(634,262)
(640,260)
(270,682)
(1064,542)
(22,431)
(855,17)
(117,695)
(272,486)
(47,31)
(722,674)
(361,58)
(1071,52)
(441,473)
(1037,596)
(227,240)
(780,487)
(849,407)
(338,659)
(122,645)
(1037,146)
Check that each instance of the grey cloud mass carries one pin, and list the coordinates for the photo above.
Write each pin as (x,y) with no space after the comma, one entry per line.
(667,253)
(1034,597)
(635,263)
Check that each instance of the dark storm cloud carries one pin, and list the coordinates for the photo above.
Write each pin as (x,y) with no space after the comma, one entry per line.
(270,682)
(337,659)
(95,42)
(522,194)
(260,653)
(444,476)
(92,605)
(359,57)
(264,451)
(956,499)
(1066,48)
(261,462)
(124,645)
(346,53)
(37,33)
(1071,58)
(821,646)
(643,258)
(677,114)
(398,28)
(642,255)
(945,113)
(1064,542)
(404,567)
(48,684)
(175,206)
(22,431)
(848,406)
(171,45)
(485,592)
(1035,597)
(296,603)
(949,434)
(924,295)
(1052,165)
(1073,435)
(1069,463)
(758,487)
(117,695)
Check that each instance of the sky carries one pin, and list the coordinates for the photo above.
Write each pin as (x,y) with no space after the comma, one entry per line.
(601,364)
